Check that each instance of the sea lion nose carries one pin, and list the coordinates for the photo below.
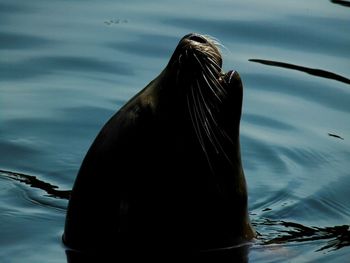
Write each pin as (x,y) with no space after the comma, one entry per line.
(197,38)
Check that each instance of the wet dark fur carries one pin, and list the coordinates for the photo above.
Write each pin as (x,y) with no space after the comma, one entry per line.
(165,172)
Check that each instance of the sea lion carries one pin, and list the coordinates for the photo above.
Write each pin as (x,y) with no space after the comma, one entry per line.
(165,172)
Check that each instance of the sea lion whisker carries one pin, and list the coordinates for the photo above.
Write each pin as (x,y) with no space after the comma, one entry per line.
(208,110)
(214,64)
(198,110)
(217,67)
(195,123)
(210,87)
(223,150)
(217,42)
(212,132)
(213,39)
(226,136)
(213,86)
(206,69)
(198,60)
(206,59)
(215,139)
(205,103)
(201,120)
(199,133)
(205,123)
(216,83)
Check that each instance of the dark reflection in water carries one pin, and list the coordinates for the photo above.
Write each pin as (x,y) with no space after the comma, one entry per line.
(336,136)
(337,237)
(32,181)
(315,72)
(341,2)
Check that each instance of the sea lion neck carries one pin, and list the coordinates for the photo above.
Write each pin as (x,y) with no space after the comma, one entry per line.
(164,95)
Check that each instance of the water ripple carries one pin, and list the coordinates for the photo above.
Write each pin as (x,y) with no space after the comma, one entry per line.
(307,158)
(36,67)
(314,91)
(9,9)
(23,41)
(273,33)
(257,153)
(150,45)
(267,122)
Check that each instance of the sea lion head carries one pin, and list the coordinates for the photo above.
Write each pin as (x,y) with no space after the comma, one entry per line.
(196,72)
(195,51)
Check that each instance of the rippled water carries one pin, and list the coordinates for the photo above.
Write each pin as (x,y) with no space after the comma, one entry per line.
(67,66)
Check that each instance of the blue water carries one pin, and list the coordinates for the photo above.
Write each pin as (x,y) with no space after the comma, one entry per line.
(67,66)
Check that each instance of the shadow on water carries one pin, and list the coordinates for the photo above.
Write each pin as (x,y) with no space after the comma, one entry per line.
(341,2)
(311,71)
(270,232)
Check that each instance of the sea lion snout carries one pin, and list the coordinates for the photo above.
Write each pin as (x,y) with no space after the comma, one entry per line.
(197,38)
(194,52)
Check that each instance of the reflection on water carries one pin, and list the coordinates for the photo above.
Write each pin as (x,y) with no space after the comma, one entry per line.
(336,237)
(336,136)
(32,181)
(341,2)
(315,72)
(66,67)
